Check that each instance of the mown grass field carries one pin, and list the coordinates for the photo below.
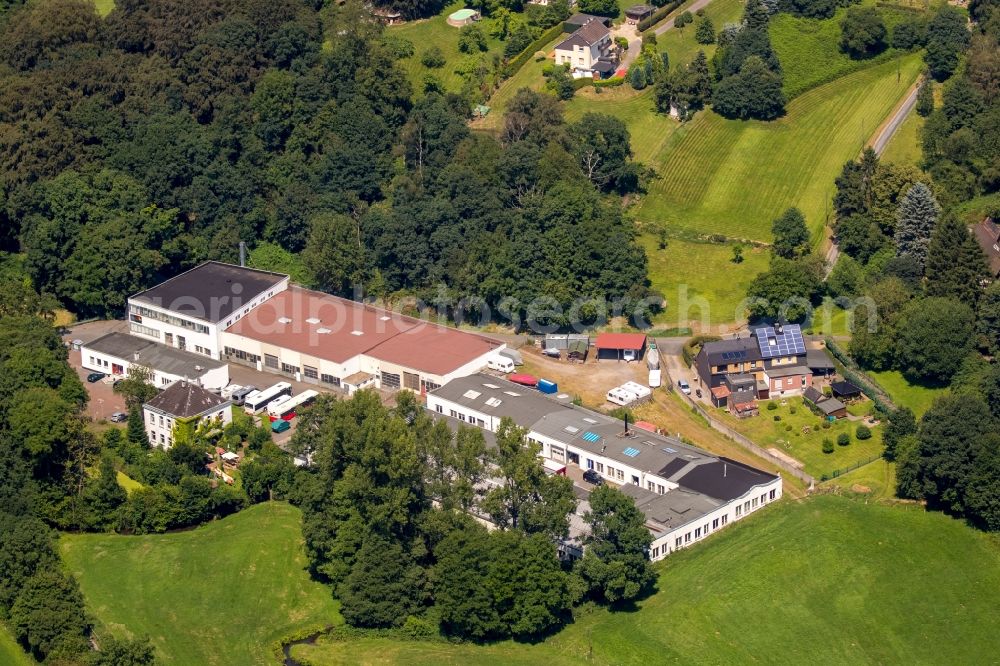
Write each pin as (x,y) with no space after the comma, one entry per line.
(11,653)
(220,594)
(876,480)
(729,177)
(764,431)
(435,31)
(529,76)
(681,46)
(827,580)
(904,394)
(708,297)
(905,145)
(649,130)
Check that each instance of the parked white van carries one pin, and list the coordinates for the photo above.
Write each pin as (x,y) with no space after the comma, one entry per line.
(621,396)
(654,379)
(500,363)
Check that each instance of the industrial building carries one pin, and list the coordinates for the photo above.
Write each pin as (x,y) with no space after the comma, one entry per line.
(115,353)
(685,493)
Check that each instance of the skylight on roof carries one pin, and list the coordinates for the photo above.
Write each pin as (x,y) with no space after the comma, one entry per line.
(571,429)
(357,333)
(667,449)
(631,452)
(385,317)
(323,330)
(589,420)
(492,386)
(284,320)
(590,436)
(312,320)
(516,395)
(494,402)
(471,395)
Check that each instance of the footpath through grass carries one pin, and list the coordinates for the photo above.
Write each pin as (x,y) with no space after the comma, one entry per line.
(220,594)
(828,580)
(733,177)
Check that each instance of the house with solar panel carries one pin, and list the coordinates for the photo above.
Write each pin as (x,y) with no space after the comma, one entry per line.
(685,493)
(772,362)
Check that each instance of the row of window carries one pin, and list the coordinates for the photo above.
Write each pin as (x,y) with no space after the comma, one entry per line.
(241,355)
(470,419)
(248,308)
(699,532)
(138,313)
(754,502)
(143,330)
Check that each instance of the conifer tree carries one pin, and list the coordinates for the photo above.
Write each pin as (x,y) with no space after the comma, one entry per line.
(915,220)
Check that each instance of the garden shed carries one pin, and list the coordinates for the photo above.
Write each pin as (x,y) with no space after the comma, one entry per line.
(845,390)
(616,345)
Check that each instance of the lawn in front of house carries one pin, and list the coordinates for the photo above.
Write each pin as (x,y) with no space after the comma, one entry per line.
(904,394)
(800,435)
(224,593)
(681,45)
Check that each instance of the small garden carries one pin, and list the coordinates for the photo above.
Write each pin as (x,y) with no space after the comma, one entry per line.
(823,447)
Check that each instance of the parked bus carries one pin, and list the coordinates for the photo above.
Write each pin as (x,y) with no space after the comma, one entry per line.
(258,400)
(286,409)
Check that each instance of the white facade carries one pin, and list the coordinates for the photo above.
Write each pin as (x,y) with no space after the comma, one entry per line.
(160,424)
(213,378)
(182,331)
(712,515)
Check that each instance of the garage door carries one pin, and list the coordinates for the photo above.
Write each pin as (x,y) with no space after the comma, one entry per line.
(411,381)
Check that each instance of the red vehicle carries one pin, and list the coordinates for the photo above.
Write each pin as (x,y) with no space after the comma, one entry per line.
(523,379)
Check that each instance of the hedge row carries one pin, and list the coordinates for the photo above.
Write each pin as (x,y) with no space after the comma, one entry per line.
(524,56)
(657,16)
(609,83)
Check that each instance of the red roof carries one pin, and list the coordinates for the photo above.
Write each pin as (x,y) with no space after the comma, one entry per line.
(620,341)
(721,392)
(338,329)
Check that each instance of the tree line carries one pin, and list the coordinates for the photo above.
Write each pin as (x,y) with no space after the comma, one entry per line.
(390,522)
(190,127)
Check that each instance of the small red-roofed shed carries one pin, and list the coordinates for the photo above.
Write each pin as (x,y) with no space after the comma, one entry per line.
(615,345)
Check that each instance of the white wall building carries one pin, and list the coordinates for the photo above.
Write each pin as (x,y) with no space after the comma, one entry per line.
(115,353)
(588,49)
(182,404)
(685,493)
(189,311)
(318,338)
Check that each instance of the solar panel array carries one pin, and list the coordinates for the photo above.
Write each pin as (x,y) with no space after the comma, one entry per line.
(630,452)
(590,436)
(788,343)
(734,355)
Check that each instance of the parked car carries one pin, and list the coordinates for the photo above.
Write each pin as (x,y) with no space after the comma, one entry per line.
(552,352)
(119,417)
(684,387)
(95,377)
(629,355)
(280,425)
(590,476)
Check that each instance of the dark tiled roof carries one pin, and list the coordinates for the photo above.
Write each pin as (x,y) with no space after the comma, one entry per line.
(590,33)
(788,371)
(579,19)
(210,292)
(830,405)
(186,399)
(737,350)
(845,388)
(154,355)
(818,359)
(813,395)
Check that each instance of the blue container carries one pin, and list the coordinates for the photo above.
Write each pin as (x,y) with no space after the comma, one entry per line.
(545,386)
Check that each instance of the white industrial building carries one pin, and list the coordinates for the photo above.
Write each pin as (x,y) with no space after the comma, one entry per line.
(685,493)
(190,310)
(115,353)
(314,337)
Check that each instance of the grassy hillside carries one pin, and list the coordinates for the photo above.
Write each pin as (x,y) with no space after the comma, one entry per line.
(219,594)
(824,581)
(905,145)
(649,131)
(733,178)
(11,653)
(681,46)
(809,49)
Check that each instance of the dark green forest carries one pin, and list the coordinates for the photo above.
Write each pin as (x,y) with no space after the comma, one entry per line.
(138,145)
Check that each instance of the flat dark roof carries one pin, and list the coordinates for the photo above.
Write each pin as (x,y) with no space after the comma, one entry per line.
(211,291)
(153,354)
(724,479)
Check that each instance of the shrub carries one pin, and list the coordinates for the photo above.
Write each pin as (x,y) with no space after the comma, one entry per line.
(843,439)
(827,446)
(471,38)
(705,32)
(826,425)
(637,76)
(771,406)
(683,19)
(792,410)
(788,427)
(863,432)
(777,417)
